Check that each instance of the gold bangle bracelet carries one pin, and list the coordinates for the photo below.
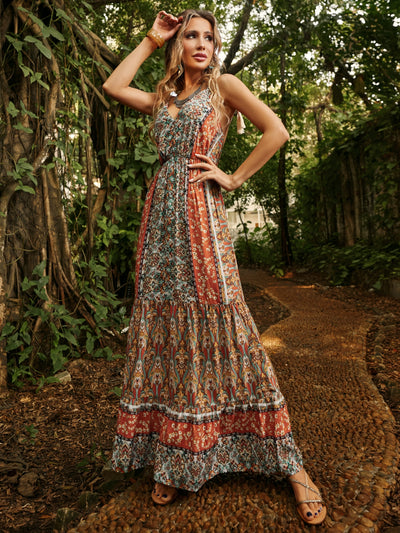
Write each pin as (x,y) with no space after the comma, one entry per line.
(156,38)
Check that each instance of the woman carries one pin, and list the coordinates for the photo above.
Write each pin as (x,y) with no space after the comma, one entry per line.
(200,396)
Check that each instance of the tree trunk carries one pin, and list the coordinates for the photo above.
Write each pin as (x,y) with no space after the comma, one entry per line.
(348,206)
(246,238)
(33,224)
(317,119)
(286,248)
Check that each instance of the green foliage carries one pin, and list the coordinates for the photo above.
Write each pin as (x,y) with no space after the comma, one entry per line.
(117,391)
(322,184)
(31,434)
(34,352)
(96,457)
(23,172)
(132,166)
(360,263)
(262,244)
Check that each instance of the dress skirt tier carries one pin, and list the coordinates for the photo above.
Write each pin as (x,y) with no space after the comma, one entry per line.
(200,396)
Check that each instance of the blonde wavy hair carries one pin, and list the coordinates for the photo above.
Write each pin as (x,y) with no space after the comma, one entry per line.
(174,79)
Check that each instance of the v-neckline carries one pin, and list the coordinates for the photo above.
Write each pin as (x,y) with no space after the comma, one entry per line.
(180,108)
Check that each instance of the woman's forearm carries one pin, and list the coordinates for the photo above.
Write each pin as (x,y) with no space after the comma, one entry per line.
(118,84)
(268,145)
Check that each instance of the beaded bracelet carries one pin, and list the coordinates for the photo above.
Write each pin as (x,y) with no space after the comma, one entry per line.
(154,36)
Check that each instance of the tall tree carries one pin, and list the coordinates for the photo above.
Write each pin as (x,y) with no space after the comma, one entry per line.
(48,58)
(72,163)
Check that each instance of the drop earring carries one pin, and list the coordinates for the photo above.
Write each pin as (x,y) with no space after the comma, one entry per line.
(180,70)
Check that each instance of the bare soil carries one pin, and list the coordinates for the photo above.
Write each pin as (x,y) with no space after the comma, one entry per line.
(62,435)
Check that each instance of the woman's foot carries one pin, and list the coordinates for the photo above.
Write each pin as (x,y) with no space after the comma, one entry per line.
(310,504)
(163,494)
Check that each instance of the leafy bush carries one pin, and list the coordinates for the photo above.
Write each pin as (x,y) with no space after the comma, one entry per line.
(48,334)
(360,263)
(260,249)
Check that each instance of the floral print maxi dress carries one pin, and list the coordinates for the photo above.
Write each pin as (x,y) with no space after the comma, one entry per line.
(200,396)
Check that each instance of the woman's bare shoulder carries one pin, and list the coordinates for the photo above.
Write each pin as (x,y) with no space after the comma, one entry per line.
(233,90)
(227,82)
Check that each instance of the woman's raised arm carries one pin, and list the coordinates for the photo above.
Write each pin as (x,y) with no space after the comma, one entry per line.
(118,84)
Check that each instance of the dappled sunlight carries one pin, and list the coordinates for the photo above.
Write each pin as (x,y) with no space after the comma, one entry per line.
(272,342)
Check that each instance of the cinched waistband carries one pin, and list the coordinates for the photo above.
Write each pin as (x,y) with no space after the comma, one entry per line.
(178,156)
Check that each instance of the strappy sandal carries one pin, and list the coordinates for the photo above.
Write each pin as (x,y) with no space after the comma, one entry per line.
(161,497)
(321,513)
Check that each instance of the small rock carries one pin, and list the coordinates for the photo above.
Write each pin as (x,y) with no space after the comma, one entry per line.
(11,471)
(63,377)
(87,499)
(366,522)
(361,529)
(112,479)
(109,474)
(28,484)
(78,366)
(337,528)
(64,517)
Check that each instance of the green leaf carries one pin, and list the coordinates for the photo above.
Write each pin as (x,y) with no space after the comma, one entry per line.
(43,84)
(29,113)
(68,319)
(39,45)
(36,312)
(117,391)
(13,342)
(41,293)
(20,127)
(56,34)
(90,343)
(26,70)
(42,281)
(24,333)
(12,109)
(45,51)
(25,188)
(27,284)
(149,159)
(57,358)
(31,39)
(35,19)
(24,163)
(16,43)
(88,6)
(104,352)
(39,269)
(62,14)
(24,355)
(70,337)
(7,330)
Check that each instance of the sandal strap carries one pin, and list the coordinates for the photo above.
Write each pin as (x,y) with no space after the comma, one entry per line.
(306,486)
(311,501)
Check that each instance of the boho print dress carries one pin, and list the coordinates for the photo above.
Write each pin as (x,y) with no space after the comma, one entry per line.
(200,396)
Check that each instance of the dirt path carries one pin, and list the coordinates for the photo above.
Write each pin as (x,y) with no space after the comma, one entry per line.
(342,424)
